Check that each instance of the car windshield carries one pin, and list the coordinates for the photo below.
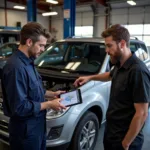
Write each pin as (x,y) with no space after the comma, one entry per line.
(75,57)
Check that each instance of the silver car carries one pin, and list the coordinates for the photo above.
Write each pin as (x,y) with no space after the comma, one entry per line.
(75,128)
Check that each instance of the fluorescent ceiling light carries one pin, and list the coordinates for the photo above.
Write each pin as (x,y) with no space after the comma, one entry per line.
(52,1)
(19,7)
(131,2)
(49,14)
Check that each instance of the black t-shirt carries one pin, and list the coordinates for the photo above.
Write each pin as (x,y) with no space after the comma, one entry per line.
(130,84)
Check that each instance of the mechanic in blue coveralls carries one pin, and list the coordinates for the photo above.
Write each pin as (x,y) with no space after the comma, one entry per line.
(24,97)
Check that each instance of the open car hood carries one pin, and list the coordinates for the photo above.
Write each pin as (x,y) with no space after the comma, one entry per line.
(56,74)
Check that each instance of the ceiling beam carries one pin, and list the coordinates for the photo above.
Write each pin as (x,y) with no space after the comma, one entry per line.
(102,2)
(17,10)
(41,6)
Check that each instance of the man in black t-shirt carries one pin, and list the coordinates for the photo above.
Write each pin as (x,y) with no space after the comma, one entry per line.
(130,92)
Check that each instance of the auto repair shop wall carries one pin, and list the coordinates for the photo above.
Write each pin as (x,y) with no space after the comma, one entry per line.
(14,16)
(84,17)
(137,15)
(136,19)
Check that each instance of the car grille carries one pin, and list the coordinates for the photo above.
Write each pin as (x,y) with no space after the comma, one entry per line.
(4,126)
(3,132)
(4,139)
(1,105)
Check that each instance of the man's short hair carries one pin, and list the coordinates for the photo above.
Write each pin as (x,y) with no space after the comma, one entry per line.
(118,32)
(33,30)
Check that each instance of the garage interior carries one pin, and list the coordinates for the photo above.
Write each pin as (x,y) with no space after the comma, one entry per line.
(87,18)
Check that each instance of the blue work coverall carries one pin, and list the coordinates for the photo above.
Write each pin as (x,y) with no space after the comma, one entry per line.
(22,94)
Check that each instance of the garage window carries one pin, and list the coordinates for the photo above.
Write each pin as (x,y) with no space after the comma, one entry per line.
(141,31)
(85,31)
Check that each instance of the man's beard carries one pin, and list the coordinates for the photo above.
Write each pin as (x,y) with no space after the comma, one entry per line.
(116,58)
(30,51)
(32,54)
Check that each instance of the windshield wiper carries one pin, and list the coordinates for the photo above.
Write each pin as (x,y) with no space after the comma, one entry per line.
(78,71)
(64,69)
(50,67)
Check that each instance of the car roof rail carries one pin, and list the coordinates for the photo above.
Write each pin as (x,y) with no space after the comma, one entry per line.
(74,37)
(83,37)
(133,37)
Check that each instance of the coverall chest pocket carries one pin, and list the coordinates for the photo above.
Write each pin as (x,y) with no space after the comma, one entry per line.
(34,90)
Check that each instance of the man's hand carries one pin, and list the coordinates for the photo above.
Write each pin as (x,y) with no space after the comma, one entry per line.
(98,77)
(51,94)
(56,105)
(125,145)
(57,93)
(81,81)
(136,123)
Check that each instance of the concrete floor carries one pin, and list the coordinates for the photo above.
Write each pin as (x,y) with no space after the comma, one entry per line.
(99,144)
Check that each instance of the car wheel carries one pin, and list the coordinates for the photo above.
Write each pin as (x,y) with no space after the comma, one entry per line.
(86,133)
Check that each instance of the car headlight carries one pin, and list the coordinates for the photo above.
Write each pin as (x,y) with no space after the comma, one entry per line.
(51,114)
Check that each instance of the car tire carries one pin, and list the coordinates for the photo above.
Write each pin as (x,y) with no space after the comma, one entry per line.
(86,133)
